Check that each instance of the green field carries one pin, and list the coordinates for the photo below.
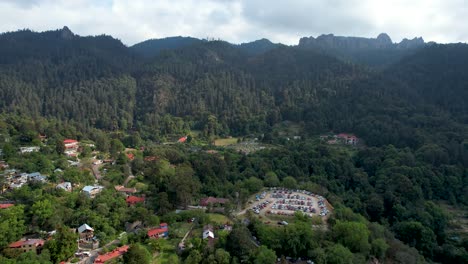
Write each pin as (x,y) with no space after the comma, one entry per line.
(225,141)
(168,253)
(219,219)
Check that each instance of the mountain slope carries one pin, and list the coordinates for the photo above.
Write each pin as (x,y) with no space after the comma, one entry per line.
(152,47)
(375,52)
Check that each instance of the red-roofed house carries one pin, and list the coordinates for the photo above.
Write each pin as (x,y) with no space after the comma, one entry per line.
(132,200)
(151,158)
(111,255)
(5,206)
(26,245)
(130,156)
(212,200)
(162,231)
(349,139)
(70,143)
(182,139)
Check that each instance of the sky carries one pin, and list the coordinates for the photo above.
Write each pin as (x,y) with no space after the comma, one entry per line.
(238,21)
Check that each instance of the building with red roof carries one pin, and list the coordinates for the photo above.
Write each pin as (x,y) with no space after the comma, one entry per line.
(132,200)
(182,139)
(212,200)
(5,206)
(349,139)
(111,255)
(130,156)
(162,231)
(26,245)
(70,143)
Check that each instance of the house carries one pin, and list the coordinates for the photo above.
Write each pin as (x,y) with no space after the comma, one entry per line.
(208,232)
(151,158)
(92,191)
(132,200)
(348,139)
(66,186)
(24,150)
(85,232)
(122,189)
(130,156)
(212,200)
(182,139)
(26,245)
(111,255)
(58,170)
(5,206)
(86,237)
(162,231)
(70,144)
(36,177)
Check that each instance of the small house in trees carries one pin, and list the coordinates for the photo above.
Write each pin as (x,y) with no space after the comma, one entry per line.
(6,205)
(86,237)
(348,139)
(85,232)
(27,245)
(182,139)
(92,191)
(70,144)
(132,200)
(36,177)
(208,232)
(162,231)
(24,150)
(66,186)
(210,201)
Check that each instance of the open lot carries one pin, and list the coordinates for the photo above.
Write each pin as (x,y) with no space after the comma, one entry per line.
(225,141)
(284,202)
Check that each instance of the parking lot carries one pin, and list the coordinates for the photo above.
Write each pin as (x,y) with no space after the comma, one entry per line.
(280,201)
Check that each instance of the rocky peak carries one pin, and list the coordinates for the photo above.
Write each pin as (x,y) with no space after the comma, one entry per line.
(384,39)
(66,33)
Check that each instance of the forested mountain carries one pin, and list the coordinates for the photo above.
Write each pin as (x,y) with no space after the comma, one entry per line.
(410,111)
(373,52)
(152,47)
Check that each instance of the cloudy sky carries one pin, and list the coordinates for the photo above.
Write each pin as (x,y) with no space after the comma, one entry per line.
(239,21)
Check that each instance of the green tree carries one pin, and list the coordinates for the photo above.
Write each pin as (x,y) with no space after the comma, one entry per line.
(63,245)
(289,182)
(137,254)
(353,235)
(222,256)
(337,254)
(42,211)
(194,257)
(264,255)
(271,179)
(12,224)
(239,242)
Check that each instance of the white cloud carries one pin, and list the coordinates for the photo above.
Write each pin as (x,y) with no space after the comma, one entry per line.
(238,21)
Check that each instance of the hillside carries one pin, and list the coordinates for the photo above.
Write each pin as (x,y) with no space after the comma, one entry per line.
(406,102)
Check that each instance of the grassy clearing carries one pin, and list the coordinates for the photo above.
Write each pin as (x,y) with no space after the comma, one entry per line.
(168,254)
(219,219)
(225,141)
(180,229)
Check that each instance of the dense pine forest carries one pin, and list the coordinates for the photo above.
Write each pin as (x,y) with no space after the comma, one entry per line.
(399,196)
